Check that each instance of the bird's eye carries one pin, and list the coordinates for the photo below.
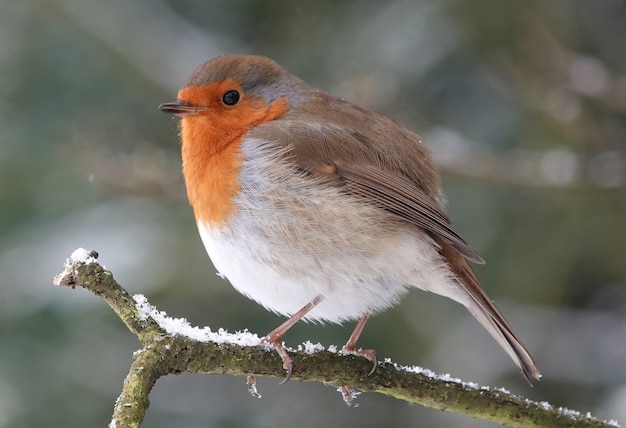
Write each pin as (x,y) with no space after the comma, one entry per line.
(231,98)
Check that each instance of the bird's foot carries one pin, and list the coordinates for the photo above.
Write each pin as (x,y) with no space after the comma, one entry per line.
(348,394)
(370,354)
(276,342)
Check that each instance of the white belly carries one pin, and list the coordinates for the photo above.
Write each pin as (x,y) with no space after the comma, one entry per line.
(290,241)
(350,285)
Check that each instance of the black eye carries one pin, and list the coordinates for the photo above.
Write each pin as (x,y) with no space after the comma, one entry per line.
(230,98)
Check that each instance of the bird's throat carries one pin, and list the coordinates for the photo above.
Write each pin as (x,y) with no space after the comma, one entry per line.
(212,159)
(211,171)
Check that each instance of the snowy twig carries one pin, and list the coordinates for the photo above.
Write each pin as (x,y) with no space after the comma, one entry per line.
(173,346)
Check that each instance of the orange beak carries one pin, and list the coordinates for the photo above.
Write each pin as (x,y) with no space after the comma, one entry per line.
(180,108)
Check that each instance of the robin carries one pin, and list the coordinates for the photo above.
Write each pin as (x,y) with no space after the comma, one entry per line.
(317,208)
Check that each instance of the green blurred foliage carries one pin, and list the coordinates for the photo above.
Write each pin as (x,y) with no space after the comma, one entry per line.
(522,103)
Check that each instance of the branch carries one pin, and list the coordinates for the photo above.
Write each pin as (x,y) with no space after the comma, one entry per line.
(173,346)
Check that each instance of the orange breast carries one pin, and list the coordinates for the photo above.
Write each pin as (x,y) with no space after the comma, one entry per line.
(211,148)
(211,178)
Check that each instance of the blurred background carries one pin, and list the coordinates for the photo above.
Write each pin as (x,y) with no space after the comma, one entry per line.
(522,103)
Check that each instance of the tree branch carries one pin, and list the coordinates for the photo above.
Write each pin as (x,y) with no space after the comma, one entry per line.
(172,346)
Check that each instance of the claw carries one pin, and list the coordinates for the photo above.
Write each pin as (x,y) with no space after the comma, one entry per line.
(289,372)
(349,395)
(251,382)
(350,347)
(375,361)
(276,344)
(370,354)
(275,337)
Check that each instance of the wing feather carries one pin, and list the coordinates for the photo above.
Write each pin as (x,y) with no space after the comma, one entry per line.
(401,197)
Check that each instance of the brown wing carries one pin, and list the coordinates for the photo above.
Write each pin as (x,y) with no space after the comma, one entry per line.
(402,197)
(402,181)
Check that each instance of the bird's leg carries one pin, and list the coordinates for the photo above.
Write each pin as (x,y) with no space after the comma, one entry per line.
(275,337)
(350,347)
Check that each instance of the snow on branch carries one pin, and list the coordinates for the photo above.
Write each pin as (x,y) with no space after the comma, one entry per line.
(172,345)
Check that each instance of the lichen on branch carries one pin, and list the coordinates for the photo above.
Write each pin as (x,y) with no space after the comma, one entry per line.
(171,346)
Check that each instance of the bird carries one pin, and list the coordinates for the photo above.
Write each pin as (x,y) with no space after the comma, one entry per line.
(317,208)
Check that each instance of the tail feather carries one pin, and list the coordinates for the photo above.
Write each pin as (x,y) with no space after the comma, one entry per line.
(507,339)
(483,309)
